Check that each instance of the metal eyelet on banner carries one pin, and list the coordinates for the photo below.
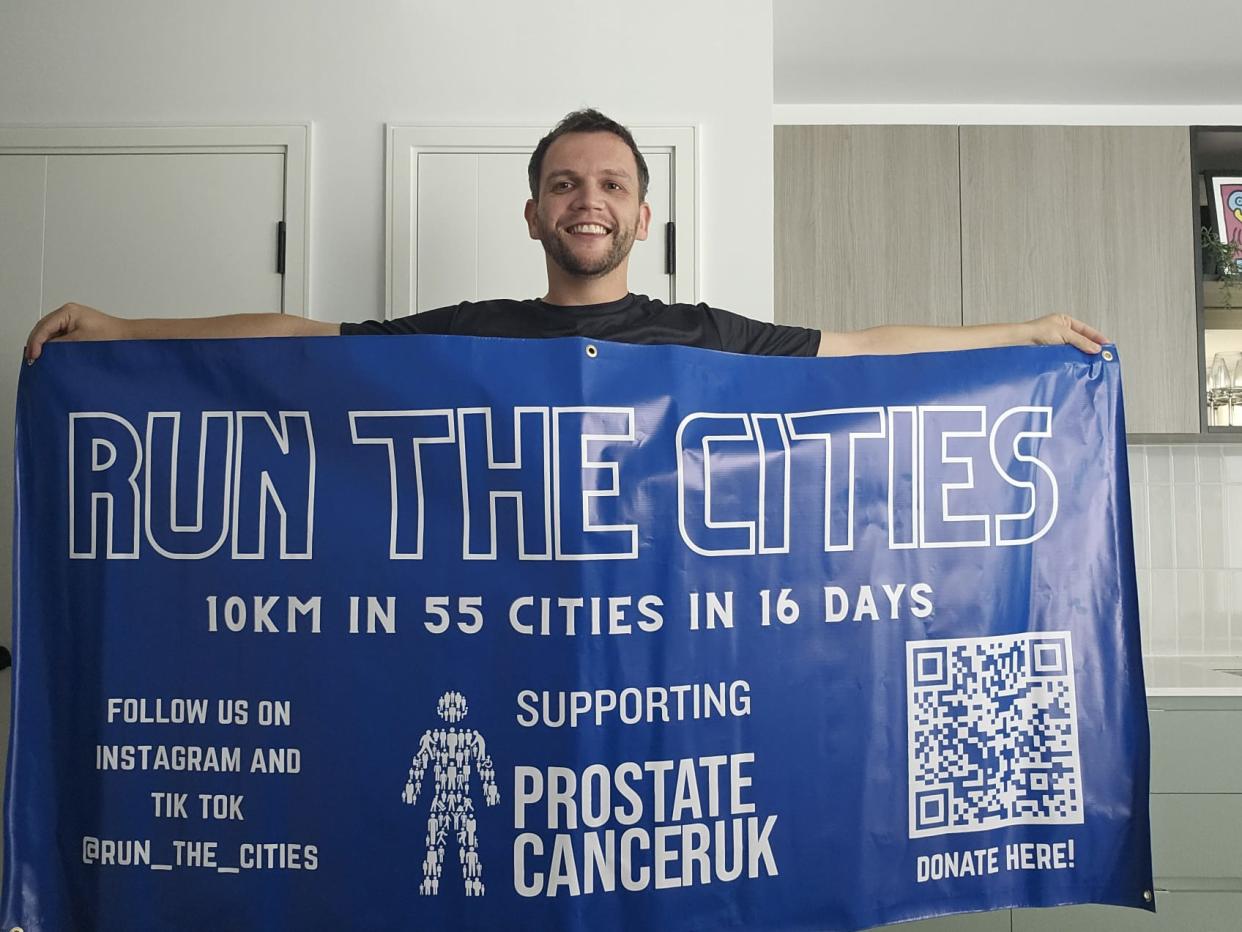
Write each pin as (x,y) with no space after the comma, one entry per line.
(1108,355)
(1147,896)
(591,350)
(17,929)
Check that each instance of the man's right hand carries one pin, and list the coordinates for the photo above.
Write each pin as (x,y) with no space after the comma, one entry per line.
(79,322)
(74,322)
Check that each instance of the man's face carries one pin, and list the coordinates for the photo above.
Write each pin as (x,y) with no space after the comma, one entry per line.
(588,214)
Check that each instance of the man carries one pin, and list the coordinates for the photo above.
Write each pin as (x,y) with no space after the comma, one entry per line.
(588,185)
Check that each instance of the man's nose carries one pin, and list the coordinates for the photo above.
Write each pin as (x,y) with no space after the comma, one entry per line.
(588,196)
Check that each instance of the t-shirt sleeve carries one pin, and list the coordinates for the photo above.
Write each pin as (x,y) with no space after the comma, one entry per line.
(740,334)
(437,320)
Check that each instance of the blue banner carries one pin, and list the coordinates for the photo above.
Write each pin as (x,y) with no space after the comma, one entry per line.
(445,632)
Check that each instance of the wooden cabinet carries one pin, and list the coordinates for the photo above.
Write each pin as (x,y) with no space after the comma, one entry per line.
(867,226)
(983,224)
(1094,221)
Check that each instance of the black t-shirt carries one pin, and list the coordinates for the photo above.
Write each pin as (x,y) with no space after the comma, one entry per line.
(635,318)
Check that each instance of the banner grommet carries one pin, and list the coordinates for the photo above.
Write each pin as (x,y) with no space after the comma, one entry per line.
(591,351)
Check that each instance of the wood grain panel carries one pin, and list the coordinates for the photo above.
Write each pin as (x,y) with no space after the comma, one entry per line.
(867,226)
(1097,222)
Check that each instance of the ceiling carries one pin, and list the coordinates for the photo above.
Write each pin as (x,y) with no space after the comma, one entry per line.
(992,52)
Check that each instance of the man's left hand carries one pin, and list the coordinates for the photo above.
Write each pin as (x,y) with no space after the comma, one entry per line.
(1060,329)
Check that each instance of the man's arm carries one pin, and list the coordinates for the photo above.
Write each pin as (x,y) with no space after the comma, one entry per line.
(1053,330)
(79,322)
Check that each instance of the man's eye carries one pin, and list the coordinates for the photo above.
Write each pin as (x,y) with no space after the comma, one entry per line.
(560,186)
(613,186)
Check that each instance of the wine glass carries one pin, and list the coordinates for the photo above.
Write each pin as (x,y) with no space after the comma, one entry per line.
(1234,360)
(1219,385)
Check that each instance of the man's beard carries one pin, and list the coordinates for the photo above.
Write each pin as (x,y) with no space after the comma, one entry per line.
(594,267)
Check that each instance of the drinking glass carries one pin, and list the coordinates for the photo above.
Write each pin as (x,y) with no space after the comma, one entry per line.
(1219,386)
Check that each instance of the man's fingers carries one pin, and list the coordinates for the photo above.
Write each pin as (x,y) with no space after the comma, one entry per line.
(1061,328)
(56,324)
(44,330)
(1087,331)
(1082,342)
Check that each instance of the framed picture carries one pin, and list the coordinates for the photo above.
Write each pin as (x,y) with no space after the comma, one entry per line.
(1225,196)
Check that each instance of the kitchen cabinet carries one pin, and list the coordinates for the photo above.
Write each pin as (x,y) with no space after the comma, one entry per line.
(1176,912)
(1096,222)
(867,226)
(995,921)
(984,224)
(1196,813)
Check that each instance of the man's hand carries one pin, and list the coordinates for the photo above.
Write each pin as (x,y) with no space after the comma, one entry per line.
(74,322)
(1059,329)
(79,322)
(1053,330)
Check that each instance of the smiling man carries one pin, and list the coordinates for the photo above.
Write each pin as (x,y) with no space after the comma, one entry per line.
(588,206)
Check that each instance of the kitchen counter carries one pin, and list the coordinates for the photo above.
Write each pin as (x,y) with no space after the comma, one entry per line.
(1193,675)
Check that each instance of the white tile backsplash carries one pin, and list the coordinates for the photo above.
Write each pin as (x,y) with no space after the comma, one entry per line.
(1186,501)
(1209,463)
(1235,611)
(1231,462)
(1138,517)
(1189,622)
(1215,612)
(1185,464)
(1163,620)
(1159,465)
(1212,524)
(1186,525)
(1231,516)
(1160,526)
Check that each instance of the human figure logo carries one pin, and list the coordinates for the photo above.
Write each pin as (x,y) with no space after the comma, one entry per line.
(452,754)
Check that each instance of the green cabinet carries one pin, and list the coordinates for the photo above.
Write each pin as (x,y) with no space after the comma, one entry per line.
(1196,818)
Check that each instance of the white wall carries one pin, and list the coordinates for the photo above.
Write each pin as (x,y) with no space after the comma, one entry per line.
(1144,52)
(351,68)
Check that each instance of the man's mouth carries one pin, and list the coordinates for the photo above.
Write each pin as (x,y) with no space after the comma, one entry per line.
(588,229)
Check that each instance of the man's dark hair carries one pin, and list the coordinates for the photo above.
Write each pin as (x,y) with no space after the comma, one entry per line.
(586,121)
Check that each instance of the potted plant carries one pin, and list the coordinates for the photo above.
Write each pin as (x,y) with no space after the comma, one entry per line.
(1220,260)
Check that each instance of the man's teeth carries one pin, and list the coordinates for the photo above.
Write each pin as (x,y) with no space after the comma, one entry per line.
(588,228)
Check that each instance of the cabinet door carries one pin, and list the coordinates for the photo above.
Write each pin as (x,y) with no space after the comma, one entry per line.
(1093,221)
(164,235)
(867,226)
(1175,912)
(995,921)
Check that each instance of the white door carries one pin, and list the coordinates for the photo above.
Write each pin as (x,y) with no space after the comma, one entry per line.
(155,235)
(456,231)
(473,242)
(135,233)
(139,235)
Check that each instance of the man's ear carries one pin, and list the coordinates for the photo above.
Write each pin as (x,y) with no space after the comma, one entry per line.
(644,221)
(529,213)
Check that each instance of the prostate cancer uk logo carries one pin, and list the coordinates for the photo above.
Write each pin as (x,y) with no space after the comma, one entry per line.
(674,795)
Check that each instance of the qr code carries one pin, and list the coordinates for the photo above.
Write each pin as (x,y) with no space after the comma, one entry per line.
(993,737)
